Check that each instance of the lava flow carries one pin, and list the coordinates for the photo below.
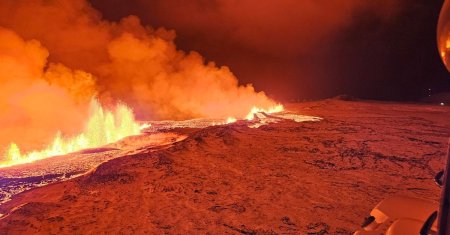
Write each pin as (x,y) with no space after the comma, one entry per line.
(48,78)
(103,127)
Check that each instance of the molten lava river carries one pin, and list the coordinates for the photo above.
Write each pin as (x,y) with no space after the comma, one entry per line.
(108,135)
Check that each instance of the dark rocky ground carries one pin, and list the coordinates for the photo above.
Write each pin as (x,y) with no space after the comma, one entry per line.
(284,178)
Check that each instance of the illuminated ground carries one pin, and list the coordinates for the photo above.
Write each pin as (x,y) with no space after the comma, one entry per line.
(19,178)
(287,177)
(159,135)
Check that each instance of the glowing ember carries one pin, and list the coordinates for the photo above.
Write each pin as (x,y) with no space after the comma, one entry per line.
(276,109)
(231,120)
(103,127)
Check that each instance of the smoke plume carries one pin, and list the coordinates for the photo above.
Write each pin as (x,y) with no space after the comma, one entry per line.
(57,54)
(288,48)
(31,109)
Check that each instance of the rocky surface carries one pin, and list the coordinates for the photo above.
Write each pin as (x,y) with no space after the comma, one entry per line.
(282,178)
(18,178)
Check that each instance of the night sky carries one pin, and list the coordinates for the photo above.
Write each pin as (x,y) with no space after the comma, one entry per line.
(297,50)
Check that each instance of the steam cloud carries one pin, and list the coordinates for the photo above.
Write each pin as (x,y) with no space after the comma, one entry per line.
(31,109)
(286,47)
(56,54)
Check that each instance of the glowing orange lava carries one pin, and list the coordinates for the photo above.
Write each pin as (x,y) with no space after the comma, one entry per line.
(103,127)
(276,109)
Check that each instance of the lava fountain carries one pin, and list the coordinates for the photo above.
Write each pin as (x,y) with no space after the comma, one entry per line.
(48,77)
(102,127)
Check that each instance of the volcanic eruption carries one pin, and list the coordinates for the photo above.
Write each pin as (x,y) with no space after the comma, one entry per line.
(112,123)
(59,57)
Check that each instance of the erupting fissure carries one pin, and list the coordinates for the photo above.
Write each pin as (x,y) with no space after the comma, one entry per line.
(48,77)
(103,127)
(275,109)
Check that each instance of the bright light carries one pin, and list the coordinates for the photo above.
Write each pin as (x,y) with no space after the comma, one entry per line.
(230,120)
(102,127)
(276,109)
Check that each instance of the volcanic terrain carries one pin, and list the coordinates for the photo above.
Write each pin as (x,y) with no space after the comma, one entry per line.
(286,177)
